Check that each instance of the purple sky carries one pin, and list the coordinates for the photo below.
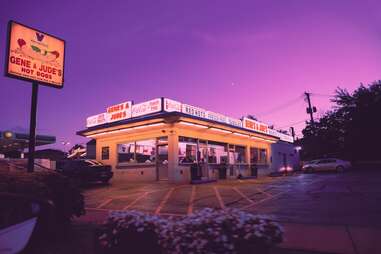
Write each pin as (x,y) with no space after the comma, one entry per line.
(231,57)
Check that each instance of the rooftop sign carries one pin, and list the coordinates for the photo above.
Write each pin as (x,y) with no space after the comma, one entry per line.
(168,105)
(120,111)
(255,125)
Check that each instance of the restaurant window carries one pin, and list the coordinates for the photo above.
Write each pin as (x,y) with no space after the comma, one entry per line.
(253,155)
(187,150)
(240,156)
(105,153)
(262,156)
(126,152)
(202,151)
(217,153)
(232,154)
(145,151)
(162,140)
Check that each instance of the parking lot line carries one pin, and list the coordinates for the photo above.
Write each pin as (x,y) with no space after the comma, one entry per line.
(164,200)
(243,195)
(264,192)
(191,199)
(136,200)
(265,199)
(104,203)
(222,205)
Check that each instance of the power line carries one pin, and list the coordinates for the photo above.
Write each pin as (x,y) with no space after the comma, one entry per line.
(281,106)
(322,95)
(292,124)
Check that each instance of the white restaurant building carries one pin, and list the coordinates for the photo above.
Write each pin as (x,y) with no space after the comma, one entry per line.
(163,139)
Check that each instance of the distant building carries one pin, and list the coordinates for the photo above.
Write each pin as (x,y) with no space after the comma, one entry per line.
(91,149)
(13,144)
(51,154)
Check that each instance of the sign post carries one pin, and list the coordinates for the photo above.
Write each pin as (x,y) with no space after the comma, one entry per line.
(36,57)
(32,127)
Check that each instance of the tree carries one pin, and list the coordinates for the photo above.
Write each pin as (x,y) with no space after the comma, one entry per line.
(351,130)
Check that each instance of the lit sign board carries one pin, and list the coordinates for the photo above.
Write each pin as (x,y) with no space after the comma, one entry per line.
(194,111)
(127,110)
(223,119)
(234,122)
(119,111)
(255,125)
(171,105)
(35,56)
(147,107)
(97,120)
(281,136)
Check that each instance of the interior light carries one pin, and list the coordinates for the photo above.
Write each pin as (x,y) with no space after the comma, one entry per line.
(126,129)
(240,134)
(194,125)
(220,130)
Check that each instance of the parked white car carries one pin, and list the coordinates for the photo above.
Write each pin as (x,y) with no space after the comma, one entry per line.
(330,164)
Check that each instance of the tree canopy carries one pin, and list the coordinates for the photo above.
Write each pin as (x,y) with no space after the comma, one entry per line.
(351,130)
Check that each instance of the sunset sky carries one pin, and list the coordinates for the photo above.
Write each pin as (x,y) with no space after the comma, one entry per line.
(231,57)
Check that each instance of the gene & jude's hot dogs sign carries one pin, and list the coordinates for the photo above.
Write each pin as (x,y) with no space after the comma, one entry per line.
(35,56)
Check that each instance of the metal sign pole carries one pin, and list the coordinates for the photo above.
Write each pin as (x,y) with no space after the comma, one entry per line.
(32,127)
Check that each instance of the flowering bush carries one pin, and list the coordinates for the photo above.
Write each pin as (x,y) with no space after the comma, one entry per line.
(131,231)
(206,231)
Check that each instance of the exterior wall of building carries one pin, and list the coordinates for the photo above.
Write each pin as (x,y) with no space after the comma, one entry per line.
(284,157)
(178,173)
(137,172)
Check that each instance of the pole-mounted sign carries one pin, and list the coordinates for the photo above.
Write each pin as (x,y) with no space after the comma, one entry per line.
(37,57)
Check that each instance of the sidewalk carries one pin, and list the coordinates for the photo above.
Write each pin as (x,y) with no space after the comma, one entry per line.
(331,239)
(305,238)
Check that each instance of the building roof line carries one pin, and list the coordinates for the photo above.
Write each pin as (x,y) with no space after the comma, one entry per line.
(166,114)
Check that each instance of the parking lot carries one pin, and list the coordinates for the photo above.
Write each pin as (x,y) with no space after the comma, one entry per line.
(352,198)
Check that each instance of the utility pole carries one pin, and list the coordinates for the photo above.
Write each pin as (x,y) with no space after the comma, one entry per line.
(292,132)
(310,109)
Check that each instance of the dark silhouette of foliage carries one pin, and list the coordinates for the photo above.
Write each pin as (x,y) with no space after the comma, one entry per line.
(351,130)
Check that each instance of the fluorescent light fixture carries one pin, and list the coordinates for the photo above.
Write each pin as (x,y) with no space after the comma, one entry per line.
(194,125)
(220,130)
(147,125)
(126,129)
(240,134)
(263,139)
(258,138)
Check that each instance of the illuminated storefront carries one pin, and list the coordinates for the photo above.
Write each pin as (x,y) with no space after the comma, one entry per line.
(163,139)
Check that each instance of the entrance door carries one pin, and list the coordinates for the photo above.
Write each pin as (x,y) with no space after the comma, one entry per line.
(162,162)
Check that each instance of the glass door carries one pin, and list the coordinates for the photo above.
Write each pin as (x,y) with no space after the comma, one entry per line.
(162,162)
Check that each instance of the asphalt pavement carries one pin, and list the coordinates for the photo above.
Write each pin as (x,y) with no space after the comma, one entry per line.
(323,212)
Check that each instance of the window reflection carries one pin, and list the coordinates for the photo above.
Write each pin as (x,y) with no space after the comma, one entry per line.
(262,156)
(187,150)
(253,155)
(217,152)
(240,154)
(202,151)
(145,151)
(126,152)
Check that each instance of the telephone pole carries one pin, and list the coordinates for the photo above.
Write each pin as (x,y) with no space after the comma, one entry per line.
(310,109)
(292,132)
